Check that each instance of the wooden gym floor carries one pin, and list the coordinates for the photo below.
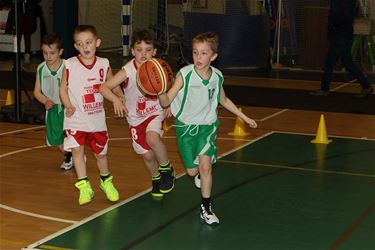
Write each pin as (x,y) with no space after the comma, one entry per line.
(39,201)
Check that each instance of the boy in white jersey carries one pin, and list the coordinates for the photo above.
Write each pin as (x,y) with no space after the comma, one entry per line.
(84,111)
(144,114)
(194,97)
(46,91)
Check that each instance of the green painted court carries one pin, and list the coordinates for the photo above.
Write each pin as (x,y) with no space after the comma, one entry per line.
(277,192)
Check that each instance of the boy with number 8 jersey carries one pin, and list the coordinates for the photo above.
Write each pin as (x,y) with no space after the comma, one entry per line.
(143,113)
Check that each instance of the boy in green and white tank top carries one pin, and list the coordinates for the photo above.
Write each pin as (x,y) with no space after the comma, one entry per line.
(194,97)
(46,91)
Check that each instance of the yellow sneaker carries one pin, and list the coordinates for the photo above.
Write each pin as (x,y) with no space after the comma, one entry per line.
(85,192)
(109,189)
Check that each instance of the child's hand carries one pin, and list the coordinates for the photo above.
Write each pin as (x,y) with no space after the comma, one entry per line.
(167,112)
(251,123)
(119,107)
(48,104)
(69,111)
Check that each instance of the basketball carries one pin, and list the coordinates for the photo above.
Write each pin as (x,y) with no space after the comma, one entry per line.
(154,76)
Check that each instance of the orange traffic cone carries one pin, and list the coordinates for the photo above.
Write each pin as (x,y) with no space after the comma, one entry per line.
(9,99)
(321,134)
(239,128)
(166,128)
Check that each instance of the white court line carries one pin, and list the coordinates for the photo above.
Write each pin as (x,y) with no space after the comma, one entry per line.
(21,130)
(258,120)
(300,169)
(92,217)
(335,136)
(273,115)
(343,85)
(77,223)
(36,215)
(22,150)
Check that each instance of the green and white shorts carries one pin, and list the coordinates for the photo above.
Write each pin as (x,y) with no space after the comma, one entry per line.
(196,140)
(54,125)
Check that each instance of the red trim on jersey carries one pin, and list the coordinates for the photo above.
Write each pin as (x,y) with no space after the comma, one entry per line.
(87,66)
(67,76)
(135,65)
(125,83)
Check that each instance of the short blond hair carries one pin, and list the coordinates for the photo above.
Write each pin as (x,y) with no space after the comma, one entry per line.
(210,37)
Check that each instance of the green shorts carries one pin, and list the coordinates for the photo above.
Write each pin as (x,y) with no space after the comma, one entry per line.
(195,140)
(54,125)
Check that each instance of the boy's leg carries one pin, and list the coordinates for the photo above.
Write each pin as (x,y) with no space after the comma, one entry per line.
(67,164)
(85,191)
(55,133)
(166,170)
(152,166)
(205,171)
(106,184)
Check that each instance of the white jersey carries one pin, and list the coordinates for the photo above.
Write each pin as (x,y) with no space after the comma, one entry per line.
(83,89)
(139,106)
(50,81)
(196,102)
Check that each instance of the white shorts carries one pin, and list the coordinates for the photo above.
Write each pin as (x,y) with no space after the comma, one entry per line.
(138,133)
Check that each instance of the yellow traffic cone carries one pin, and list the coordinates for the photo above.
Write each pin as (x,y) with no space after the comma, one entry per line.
(9,100)
(239,128)
(166,128)
(321,134)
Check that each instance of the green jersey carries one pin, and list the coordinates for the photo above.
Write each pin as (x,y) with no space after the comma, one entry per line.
(196,102)
(50,81)
(50,84)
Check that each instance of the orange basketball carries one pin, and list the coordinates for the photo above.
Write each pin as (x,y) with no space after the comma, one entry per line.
(154,76)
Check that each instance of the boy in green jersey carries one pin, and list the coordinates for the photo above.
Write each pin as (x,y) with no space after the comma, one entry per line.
(194,97)
(46,91)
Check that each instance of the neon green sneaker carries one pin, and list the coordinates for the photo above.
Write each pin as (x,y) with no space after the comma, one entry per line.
(85,192)
(109,189)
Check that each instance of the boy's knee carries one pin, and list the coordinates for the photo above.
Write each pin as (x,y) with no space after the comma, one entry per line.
(153,139)
(149,156)
(192,171)
(100,157)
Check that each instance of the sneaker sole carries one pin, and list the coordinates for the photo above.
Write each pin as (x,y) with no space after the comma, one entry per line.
(157,195)
(66,168)
(212,223)
(87,202)
(166,191)
(113,200)
(84,203)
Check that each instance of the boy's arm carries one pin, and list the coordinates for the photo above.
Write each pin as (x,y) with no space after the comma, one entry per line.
(69,108)
(230,106)
(39,95)
(166,98)
(114,83)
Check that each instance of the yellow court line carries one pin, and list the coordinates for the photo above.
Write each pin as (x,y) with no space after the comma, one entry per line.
(54,248)
(20,243)
(297,168)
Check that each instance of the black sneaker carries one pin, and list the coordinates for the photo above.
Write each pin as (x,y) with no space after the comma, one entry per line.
(365,92)
(167,179)
(68,162)
(155,192)
(319,92)
(208,216)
